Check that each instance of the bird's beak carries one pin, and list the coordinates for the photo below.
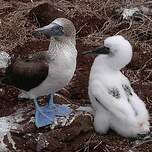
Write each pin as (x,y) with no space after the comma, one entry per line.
(51,30)
(100,50)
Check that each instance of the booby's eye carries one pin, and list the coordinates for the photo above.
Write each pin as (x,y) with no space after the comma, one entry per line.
(60,28)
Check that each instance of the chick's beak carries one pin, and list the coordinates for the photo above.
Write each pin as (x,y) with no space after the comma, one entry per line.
(100,50)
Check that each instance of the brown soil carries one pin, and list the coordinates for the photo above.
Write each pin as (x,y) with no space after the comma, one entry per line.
(94,20)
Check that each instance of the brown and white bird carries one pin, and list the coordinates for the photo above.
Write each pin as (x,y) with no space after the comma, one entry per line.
(44,73)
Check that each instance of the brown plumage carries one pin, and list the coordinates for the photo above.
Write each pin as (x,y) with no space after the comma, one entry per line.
(28,71)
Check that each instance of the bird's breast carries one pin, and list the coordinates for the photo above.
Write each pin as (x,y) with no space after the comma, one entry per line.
(61,70)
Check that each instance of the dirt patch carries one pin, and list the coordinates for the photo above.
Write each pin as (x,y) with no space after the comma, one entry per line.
(94,20)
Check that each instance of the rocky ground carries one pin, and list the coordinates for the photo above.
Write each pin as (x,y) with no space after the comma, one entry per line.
(94,20)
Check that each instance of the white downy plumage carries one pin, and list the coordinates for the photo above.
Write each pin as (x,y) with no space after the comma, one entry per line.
(115,103)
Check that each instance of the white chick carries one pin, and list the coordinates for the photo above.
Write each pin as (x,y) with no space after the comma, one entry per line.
(115,103)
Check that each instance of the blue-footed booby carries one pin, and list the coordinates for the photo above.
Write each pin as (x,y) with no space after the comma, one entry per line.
(114,101)
(44,73)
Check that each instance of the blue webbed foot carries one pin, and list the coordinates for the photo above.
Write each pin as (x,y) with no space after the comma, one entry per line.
(59,110)
(43,115)
(46,115)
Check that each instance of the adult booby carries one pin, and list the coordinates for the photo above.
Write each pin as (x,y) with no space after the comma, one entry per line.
(44,73)
(115,103)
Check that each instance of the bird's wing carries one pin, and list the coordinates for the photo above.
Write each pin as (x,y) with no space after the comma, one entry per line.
(27,72)
(112,99)
(136,103)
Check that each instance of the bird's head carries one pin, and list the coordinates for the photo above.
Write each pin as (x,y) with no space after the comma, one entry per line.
(116,49)
(60,27)
(118,45)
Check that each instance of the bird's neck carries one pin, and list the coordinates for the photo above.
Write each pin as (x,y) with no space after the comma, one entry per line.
(100,64)
(113,62)
(57,45)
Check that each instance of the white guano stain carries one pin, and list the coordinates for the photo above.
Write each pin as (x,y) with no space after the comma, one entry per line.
(7,124)
(4,59)
(129,12)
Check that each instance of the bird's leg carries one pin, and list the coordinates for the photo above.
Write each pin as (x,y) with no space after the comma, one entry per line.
(58,110)
(43,115)
(50,100)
